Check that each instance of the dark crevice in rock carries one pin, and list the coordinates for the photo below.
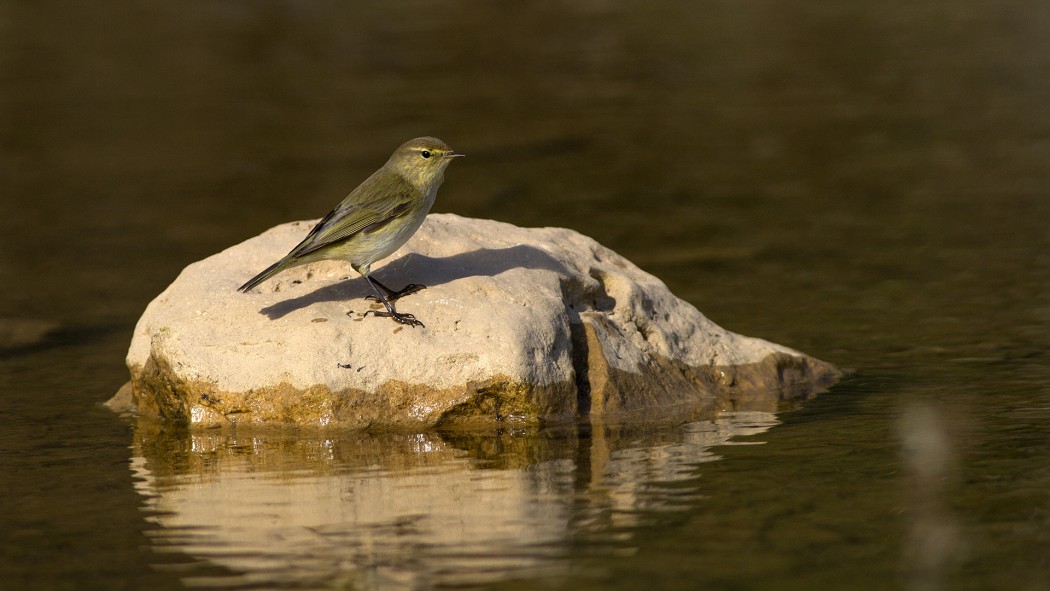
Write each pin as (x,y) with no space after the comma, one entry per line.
(584,296)
(579,364)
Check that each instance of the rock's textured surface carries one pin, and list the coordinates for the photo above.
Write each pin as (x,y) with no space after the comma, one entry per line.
(529,325)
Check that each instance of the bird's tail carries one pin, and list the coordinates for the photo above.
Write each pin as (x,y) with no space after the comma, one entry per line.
(270,271)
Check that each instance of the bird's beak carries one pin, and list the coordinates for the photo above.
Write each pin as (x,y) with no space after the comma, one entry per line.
(454,155)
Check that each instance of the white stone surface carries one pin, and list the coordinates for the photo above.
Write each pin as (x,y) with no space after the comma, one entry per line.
(503,305)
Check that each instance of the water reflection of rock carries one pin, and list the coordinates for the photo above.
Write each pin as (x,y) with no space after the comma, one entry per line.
(411,511)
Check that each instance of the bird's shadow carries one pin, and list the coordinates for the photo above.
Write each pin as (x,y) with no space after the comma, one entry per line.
(429,271)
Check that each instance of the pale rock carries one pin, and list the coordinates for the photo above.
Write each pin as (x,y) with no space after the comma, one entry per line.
(529,325)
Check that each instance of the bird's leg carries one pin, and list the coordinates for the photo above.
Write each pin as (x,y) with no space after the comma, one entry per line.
(390,311)
(392,295)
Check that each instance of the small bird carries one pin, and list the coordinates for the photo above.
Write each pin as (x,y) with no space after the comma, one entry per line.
(375,219)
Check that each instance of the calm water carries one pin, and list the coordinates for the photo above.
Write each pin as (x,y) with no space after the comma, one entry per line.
(869,183)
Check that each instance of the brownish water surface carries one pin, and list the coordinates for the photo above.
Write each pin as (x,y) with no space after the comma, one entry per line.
(869,183)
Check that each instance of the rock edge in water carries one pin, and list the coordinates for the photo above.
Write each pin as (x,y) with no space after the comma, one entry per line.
(527,325)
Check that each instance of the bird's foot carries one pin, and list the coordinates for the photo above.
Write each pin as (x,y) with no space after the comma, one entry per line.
(397,317)
(409,289)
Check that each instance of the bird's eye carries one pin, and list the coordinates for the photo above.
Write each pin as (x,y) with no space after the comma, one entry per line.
(425,153)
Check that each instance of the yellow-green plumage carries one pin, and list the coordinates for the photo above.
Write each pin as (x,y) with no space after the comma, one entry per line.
(376,218)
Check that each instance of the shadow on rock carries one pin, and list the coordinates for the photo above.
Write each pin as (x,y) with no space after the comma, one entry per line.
(430,271)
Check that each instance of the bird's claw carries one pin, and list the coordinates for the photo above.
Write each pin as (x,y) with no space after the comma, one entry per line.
(398,317)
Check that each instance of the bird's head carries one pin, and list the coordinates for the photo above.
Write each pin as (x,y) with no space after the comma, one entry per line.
(422,160)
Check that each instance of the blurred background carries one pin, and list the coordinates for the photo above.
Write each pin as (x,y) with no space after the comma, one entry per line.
(867,183)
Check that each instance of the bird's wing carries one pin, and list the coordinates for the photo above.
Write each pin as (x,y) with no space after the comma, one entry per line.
(365,209)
